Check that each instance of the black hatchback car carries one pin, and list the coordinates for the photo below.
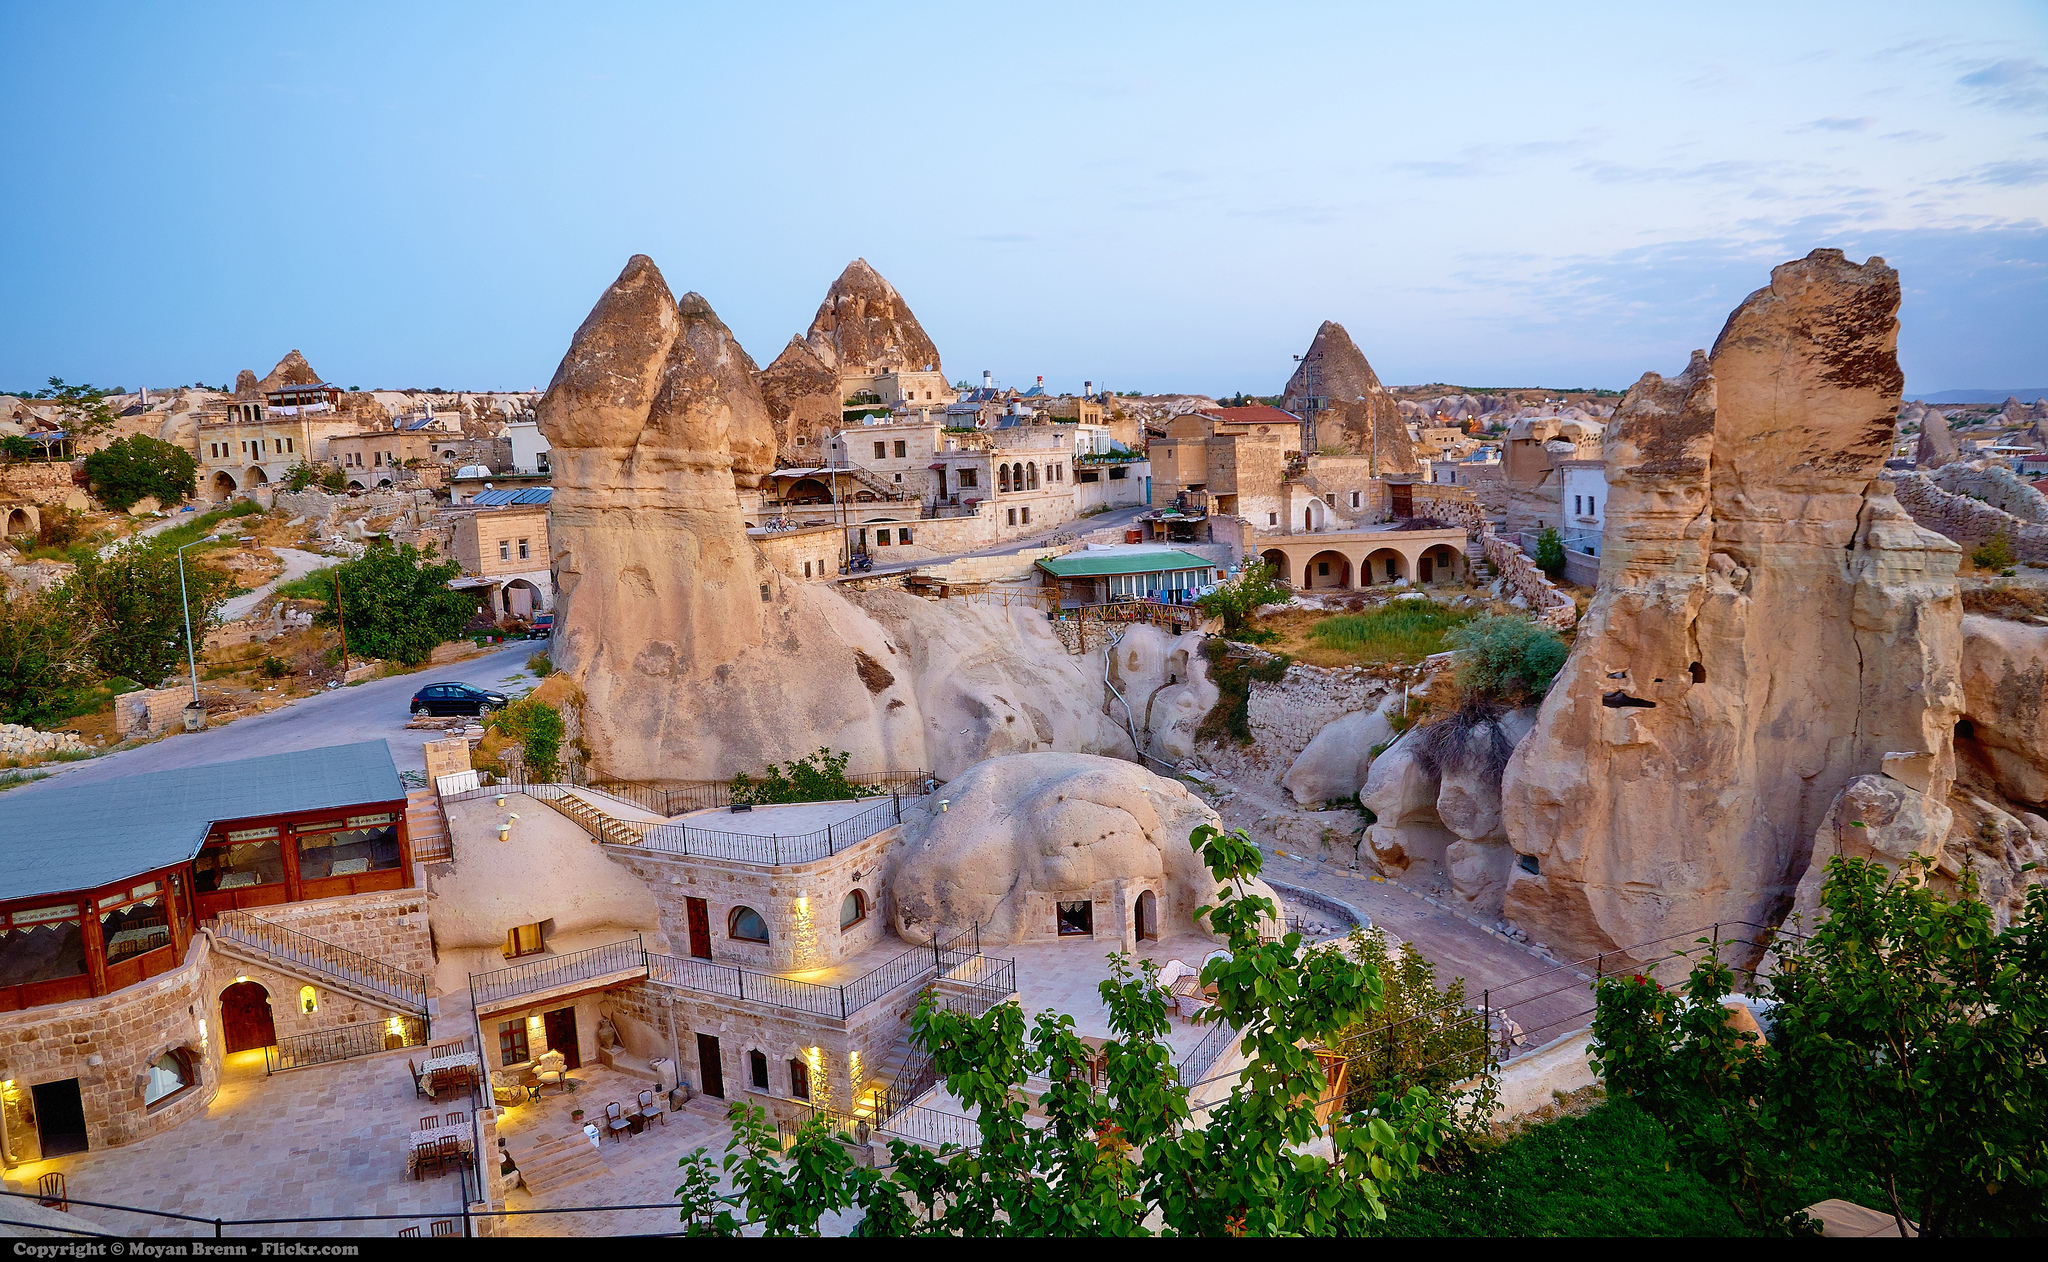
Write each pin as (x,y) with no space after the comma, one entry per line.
(456,699)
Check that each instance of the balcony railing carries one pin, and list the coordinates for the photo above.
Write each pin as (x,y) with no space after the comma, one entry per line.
(347,1042)
(551,971)
(335,963)
(708,843)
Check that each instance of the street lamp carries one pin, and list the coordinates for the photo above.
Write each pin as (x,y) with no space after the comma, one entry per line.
(185,600)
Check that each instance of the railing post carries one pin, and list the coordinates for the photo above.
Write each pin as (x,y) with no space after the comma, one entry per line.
(777,839)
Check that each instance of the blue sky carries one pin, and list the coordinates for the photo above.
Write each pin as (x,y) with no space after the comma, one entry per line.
(1152,197)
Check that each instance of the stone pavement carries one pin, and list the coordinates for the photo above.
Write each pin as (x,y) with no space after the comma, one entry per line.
(329,1140)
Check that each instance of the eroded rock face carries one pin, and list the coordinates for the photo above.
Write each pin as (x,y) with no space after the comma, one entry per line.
(1436,796)
(696,658)
(2005,700)
(1024,832)
(292,370)
(865,326)
(1334,765)
(802,397)
(1936,446)
(1361,416)
(1769,625)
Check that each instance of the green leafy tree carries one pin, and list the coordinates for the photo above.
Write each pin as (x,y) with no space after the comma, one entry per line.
(1120,1161)
(396,603)
(333,480)
(1506,659)
(1419,1036)
(1550,552)
(1237,600)
(129,468)
(818,777)
(537,726)
(42,658)
(1906,1066)
(300,476)
(127,604)
(15,447)
(82,409)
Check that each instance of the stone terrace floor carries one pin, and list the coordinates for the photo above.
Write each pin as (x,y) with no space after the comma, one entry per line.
(312,1142)
(790,819)
(1066,976)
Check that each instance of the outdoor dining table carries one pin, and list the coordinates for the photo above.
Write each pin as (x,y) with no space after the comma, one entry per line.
(418,1142)
(455,1060)
(1098,1060)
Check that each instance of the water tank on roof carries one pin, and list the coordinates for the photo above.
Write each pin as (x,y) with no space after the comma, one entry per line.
(473,471)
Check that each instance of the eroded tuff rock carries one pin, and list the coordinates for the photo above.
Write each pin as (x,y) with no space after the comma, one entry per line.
(1937,446)
(1024,832)
(2005,703)
(1334,765)
(865,326)
(1436,795)
(1361,416)
(1769,625)
(292,370)
(802,397)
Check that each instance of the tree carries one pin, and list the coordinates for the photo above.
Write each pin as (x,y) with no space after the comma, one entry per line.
(1237,600)
(1906,1063)
(300,476)
(1550,552)
(396,603)
(15,447)
(129,468)
(333,480)
(128,605)
(1506,659)
(818,777)
(1994,553)
(538,728)
(83,408)
(1108,1163)
(42,657)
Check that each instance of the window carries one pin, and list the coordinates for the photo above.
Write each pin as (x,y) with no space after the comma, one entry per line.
(853,910)
(351,847)
(1322,569)
(1027,516)
(135,928)
(882,537)
(523,940)
(504,549)
(524,551)
(256,861)
(512,1042)
(1012,519)
(807,569)
(44,944)
(1575,505)
(1272,519)
(376,459)
(967,478)
(171,1073)
(746,925)
(900,449)
(1331,499)
(1002,477)
(288,445)
(1354,499)
(799,1079)
(881,451)
(757,1070)
(899,477)
(1077,920)
(903,534)
(309,1000)
(1118,475)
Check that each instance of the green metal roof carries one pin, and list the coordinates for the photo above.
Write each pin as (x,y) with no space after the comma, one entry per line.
(1096,565)
(62,838)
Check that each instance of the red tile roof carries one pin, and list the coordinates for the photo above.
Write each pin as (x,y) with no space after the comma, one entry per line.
(1257,414)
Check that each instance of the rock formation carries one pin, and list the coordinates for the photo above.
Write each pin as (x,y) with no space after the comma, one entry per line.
(1436,796)
(802,397)
(2005,706)
(1334,765)
(1358,414)
(1023,833)
(1936,446)
(247,388)
(1769,625)
(292,370)
(863,327)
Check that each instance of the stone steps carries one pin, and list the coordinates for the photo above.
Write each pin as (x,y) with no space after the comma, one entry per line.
(557,1162)
(426,825)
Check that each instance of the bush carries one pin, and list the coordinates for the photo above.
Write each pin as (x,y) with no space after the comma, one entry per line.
(60,527)
(1420,1037)
(1238,599)
(540,665)
(1398,631)
(128,469)
(1994,553)
(537,726)
(42,658)
(818,777)
(1507,659)
(334,481)
(396,603)
(275,667)
(128,604)
(301,475)
(1550,552)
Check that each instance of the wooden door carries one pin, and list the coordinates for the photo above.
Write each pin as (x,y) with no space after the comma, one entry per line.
(1404,499)
(700,928)
(561,1030)
(1423,570)
(245,1017)
(710,1067)
(1148,917)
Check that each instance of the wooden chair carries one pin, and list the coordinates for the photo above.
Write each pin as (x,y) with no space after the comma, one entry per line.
(418,1085)
(410,1231)
(51,1194)
(429,1158)
(429,1122)
(451,1151)
(615,1120)
(445,1227)
(648,1111)
(457,1119)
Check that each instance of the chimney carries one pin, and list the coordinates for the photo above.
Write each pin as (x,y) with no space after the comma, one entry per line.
(1041,381)
(988,380)
(1087,389)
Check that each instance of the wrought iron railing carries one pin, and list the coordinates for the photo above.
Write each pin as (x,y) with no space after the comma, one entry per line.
(550,971)
(674,798)
(915,1123)
(706,978)
(775,850)
(321,1047)
(1202,1057)
(296,950)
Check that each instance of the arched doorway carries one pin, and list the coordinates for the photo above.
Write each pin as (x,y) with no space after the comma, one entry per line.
(245,1021)
(1385,566)
(18,522)
(1438,565)
(522,599)
(223,486)
(255,476)
(1147,917)
(809,491)
(1278,560)
(1326,569)
(1314,516)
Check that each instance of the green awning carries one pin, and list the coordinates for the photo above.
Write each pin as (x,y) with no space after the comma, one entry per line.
(1096,564)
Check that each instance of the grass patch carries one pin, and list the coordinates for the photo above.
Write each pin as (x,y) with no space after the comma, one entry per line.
(1404,631)
(1606,1173)
(202,525)
(316,584)
(2004,600)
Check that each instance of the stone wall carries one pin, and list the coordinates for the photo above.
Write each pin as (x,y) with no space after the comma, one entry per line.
(842,1055)
(108,1044)
(812,554)
(1519,574)
(40,483)
(1286,716)
(388,925)
(1452,504)
(332,1009)
(1996,485)
(1969,521)
(150,711)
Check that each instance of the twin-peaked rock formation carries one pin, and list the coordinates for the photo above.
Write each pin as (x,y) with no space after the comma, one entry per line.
(862,328)
(1357,414)
(1770,627)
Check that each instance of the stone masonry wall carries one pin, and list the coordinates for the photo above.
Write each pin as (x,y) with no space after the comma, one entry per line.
(148,711)
(1453,504)
(843,1056)
(42,483)
(1969,521)
(388,925)
(125,1032)
(1996,485)
(1547,605)
(1286,716)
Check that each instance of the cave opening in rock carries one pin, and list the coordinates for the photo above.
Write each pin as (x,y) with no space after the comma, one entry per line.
(1619,700)
(1699,673)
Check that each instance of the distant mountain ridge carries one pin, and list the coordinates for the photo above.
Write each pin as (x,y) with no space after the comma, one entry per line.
(1991,398)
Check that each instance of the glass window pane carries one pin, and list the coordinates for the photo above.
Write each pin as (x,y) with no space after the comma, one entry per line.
(134,929)
(234,866)
(349,852)
(42,952)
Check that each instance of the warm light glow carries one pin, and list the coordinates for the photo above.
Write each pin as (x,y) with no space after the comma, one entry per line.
(202,1029)
(397,1026)
(243,978)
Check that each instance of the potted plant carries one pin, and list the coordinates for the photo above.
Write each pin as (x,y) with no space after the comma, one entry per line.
(575,1115)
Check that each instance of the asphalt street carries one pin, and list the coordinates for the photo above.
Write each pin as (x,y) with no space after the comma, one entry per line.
(374,710)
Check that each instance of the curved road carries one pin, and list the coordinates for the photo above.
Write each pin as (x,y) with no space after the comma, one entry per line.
(376,709)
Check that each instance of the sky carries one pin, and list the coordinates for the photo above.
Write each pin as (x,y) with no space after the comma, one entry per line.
(1151,197)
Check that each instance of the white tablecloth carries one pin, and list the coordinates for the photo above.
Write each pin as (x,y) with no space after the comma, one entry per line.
(440,1063)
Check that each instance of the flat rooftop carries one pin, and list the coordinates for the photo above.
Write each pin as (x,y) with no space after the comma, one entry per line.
(789,819)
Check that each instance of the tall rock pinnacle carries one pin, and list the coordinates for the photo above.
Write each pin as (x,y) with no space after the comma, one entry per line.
(1357,414)
(865,326)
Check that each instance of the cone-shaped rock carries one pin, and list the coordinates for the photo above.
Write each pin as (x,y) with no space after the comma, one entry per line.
(292,370)
(802,396)
(247,388)
(1356,412)
(865,326)
(1937,446)
(1769,625)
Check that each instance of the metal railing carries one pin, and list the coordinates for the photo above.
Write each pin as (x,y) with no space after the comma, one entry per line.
(727,981)
(677,798)
(296,950)
(1202,1057)
(775,850)
(321,1047)
(548,972)
(932,1128)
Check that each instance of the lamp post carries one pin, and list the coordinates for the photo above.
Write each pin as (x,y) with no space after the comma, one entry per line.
(195,713)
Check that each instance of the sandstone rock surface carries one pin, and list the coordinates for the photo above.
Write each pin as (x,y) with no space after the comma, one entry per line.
(865,326)
(2005,701)
(1769,625)
(1333,767)
(292,370)
(1021,833)
(1361,416)
(802,398)
(1436,794)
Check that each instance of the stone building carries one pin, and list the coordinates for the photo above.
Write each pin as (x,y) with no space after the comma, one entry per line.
(500,537)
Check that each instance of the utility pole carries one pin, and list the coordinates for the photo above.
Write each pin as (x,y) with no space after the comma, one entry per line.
(185,600)
(1308,371)
(341,621)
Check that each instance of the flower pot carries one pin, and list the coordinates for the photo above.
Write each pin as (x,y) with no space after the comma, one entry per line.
(575,1115)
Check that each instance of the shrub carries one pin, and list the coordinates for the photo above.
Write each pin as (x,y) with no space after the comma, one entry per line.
(1421,1036)
(817,777)
(60,527)
(540,665)
(301,475)
(1233,677)
(128,469)
(1550,552)
(396,603)
(1398,631)
(537,726)
(42,657)
(275,667)
(1507,659)
(1238,599)
(333,480)
(1994,553)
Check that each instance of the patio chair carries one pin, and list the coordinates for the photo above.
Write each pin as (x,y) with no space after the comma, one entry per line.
(427,1159)
(648,1111)
(452,1152)
(50,1192)
(429,1122)
(456,1119)
(445,1227)
(615,1120)
(418,1085)
(409,1231)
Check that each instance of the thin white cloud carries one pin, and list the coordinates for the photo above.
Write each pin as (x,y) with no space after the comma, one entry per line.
(1913,137)
(1836,123)
(2010,174)
(2019,84)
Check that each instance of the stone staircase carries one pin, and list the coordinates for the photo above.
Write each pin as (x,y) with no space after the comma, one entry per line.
(600,826)
(245,937)
(426,825)
(556,1162)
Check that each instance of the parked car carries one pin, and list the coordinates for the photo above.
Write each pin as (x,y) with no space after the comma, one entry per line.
(456,699)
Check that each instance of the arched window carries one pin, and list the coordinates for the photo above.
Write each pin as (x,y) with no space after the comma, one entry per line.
(1031,475)
(1002,477)
(853,910)
(171,1073)
(309,1000)
(745,925)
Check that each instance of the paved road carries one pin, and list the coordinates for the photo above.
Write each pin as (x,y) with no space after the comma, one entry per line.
(367,711)
(297,564)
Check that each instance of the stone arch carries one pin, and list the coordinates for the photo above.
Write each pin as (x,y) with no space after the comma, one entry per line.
(809,489)
(18,522)
(1278,560)
(523,599)
(1315,515)
(744,924)
(1002,477)
(223,486)
(1384,565)
(1031,476)
(255,477)
(383,482)
(1440,564)
(1326,569)
(246,1022)
(355,484)
(1145,916)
